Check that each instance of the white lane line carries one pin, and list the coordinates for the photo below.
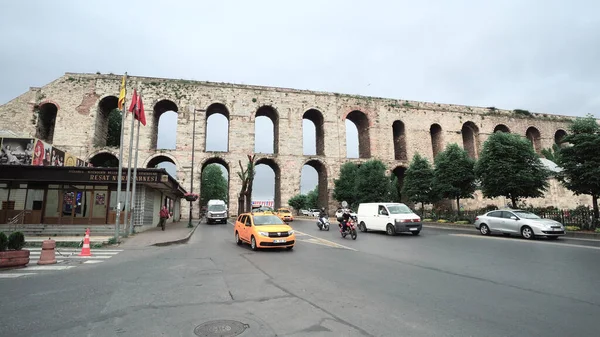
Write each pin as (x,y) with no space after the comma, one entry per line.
(324,242)
(49,267)
(6,275)
(525,241)
(93,261)
(88,257)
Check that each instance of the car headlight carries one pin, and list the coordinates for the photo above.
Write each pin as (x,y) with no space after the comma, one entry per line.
(291,232)
(263,233)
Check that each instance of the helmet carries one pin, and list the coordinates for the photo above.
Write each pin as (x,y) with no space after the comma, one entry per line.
(323,209)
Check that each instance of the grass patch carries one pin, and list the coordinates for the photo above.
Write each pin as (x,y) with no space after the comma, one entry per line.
(597,230)
(427,220)
(463,222)
(573,228)
(442,221)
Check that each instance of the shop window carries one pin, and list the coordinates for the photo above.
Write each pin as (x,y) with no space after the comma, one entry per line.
(52,204)
(16,199)
(35,199)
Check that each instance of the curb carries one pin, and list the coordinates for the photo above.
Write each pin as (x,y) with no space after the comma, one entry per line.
(178,241)
(577,235)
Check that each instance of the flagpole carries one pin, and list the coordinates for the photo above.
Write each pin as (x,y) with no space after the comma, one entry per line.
(120,172)
(129,171)
(137,150)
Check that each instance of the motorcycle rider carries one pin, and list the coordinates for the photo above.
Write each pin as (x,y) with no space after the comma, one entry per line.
(322,216)
(345,219)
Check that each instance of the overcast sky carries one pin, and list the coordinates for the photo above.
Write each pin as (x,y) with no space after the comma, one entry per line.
(537,55)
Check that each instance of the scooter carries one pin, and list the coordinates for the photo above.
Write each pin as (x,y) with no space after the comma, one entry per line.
(350,228)
(323,226)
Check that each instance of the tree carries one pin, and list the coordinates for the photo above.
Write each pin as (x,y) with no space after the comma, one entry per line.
(113,136)
(345,186)
(213,184)
(580,160)
(395,190)
(298,202)
(372,184)
(453,174)
(552,154)
(509,167)
(418,182)
(247,178)
(312,199)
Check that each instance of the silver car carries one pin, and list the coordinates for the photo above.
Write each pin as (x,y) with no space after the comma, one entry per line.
(514,221)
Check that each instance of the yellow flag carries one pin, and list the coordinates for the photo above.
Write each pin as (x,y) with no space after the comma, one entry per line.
(122,93)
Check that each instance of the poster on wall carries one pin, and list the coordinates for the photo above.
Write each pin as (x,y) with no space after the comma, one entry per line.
(58,157)
(100,198)
(16,151)
(69,159)
(79,163)
(41,153)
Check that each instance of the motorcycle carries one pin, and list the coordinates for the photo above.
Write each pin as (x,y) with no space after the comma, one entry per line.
(350,228)
(323,226)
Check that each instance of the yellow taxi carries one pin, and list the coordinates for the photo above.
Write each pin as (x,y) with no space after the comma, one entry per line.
(285,214)
(263,230)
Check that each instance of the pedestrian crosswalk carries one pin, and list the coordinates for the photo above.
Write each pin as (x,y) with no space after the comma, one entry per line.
(66,258)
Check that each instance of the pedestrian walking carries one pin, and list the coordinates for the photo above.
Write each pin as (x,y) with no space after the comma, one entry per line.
(164,215)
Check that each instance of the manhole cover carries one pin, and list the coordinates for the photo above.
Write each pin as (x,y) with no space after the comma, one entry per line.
(222,328)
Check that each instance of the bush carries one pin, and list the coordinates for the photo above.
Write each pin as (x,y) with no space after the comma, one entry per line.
(597,230)
(16,241)
(442,221)
(463,222)
(3,241)
(427,220)
(573,228)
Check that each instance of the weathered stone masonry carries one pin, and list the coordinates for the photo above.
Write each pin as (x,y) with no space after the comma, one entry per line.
(72,112)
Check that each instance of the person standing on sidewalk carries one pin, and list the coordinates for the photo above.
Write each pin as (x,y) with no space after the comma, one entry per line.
(164,215)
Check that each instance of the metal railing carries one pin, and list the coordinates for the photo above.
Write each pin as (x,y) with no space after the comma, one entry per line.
(15,221)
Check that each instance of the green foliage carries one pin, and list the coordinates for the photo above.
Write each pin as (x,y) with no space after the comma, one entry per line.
(552,154)
(522,112)
(572,228)
(345,185)
(298,202)
(418,181)
(580,162)
(312,199)
(16,241)
(3,241)
(454,177)
(395,193)
(112,241)
(372,185)
(213,185)
(508,166)
(113,137)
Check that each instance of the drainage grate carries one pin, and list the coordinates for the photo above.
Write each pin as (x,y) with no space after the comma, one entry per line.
(221,328)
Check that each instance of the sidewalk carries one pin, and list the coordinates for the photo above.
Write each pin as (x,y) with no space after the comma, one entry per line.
(175,232)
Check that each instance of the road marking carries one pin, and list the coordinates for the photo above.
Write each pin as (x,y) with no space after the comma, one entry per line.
(6,275)
(93,261)
(50,267)
(324,242)
(525,241)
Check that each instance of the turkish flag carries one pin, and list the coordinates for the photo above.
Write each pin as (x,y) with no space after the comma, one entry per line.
(140,114)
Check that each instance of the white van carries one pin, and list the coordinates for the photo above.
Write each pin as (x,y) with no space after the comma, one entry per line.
(216,211)
(390,217)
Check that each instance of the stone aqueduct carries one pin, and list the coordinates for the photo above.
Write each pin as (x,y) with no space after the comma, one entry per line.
(72,112)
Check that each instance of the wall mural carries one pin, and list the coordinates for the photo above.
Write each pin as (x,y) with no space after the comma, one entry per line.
(33,151)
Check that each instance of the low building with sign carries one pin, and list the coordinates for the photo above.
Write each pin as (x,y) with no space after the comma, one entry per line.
(81,195)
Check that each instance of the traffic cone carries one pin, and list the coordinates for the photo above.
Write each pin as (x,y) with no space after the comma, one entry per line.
(85,250)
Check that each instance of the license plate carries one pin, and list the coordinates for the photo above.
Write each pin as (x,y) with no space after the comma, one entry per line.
(278,241)
(413,229)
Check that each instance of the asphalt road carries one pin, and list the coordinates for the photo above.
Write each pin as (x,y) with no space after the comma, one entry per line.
(442,283)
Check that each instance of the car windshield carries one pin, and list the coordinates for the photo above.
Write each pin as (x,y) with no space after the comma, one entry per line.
(216,208)
(526,215)
(399,209)
(284,211)
(260,220)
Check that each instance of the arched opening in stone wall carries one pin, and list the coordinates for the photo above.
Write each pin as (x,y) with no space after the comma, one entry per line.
(534,136)
(163,162)
(501,128)
(399,140)
(46,122)
(210,182)
(399,172)
(359,139)
(107,129)
(313,134)
(266,130)
(267,182)
(217,128)
(470,136)
(559,135)
(437,142)
(104,159)
(164,125)
(314,176)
